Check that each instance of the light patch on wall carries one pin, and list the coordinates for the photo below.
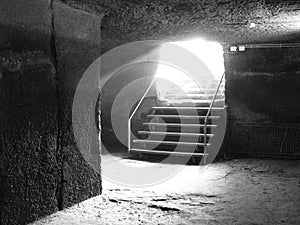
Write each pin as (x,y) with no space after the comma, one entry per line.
(284,23)
(297,24)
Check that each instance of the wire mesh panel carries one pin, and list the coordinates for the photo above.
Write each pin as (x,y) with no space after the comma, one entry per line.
(266,139)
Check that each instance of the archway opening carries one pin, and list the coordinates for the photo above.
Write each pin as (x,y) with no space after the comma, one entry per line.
(170,77)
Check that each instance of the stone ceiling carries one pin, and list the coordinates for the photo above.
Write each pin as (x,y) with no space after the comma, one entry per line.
(225,21)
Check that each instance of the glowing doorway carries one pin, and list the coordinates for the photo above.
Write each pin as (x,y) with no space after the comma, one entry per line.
(209,53)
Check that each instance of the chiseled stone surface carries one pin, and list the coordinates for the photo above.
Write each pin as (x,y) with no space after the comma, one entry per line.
(28,112)
(37,150)
(77,43)
(262,87)
(25,25)
(225,21)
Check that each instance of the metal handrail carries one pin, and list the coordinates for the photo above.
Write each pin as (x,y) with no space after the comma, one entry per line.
(133,113)
(207,116)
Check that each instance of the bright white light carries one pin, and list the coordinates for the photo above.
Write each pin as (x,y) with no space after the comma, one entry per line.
(233,48)
(170,73)
(252,25)
(210,53)
(242,48)
(177,77)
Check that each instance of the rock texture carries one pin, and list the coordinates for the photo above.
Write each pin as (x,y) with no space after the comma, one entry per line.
(77,43)
(29,113)
(41,61)
(263,101)
(249,191)
(225,21)
(261,84)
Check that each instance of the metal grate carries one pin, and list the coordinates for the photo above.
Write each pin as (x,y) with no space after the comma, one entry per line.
(266,139)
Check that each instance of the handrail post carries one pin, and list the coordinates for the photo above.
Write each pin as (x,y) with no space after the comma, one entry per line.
(205,141)
(129,137)
(207,116)
(133,113)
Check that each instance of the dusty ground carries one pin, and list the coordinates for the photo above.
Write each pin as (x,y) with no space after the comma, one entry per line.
(244,191)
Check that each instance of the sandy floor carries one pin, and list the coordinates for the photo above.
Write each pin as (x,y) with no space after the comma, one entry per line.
(245,191)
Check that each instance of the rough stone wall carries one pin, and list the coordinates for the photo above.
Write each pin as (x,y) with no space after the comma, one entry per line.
(41,60)
(262,87)
(77,43)
(28,154)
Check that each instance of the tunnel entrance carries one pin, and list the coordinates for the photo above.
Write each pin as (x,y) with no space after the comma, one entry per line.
(188,110)
(172,104)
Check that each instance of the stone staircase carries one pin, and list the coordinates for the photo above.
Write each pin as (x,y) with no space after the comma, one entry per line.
(183,122)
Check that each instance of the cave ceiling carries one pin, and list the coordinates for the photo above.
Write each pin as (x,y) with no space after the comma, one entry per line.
(225,21)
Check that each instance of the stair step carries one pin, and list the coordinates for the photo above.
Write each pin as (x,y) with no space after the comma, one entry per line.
(191,91)
(201,89)
(201,81)
(187,108)
(180,125)
(162,152)
(211,87)
(182,117)
(190,100)
(175,134)
(168,142)
(199,93)
(187,95)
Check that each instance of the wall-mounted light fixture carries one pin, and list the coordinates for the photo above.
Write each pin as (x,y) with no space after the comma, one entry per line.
(233,48)
(239,48)
(243,47)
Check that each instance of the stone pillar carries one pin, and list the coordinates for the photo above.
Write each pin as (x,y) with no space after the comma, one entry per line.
(28,112)
(45,48)
(77,43)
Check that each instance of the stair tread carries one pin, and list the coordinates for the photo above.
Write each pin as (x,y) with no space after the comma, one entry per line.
(200,88)
(180,124)
(174,133)
(185,100)
(186,107)
(212,87)
(186,95)
(194,92)
(169,142)
(201,81)
(163,152)
(182,116)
